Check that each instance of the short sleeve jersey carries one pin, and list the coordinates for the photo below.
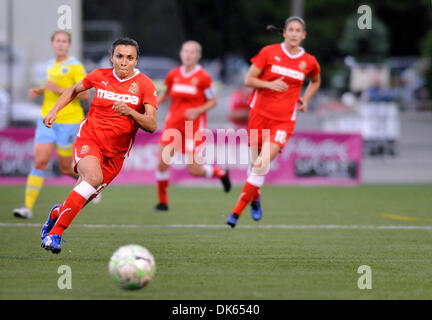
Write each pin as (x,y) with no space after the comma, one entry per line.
(113,132)
(187,90)
(276,62)
(64,74)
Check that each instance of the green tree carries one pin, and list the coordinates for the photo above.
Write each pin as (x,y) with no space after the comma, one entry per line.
(427,52)
(369,45)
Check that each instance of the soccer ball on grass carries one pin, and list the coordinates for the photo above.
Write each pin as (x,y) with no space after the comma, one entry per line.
(132,266)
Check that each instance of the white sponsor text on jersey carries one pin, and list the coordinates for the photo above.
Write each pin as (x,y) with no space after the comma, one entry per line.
(109,95)
(184,88)
(287,72)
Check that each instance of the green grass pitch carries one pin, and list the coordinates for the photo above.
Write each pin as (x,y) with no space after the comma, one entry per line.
(309,244)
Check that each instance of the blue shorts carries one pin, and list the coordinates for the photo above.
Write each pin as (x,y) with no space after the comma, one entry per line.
(63,135)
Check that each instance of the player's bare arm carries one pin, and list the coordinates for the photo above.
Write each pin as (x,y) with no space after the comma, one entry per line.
(311,89)
(34,92)
(67,97)
(51,86)
(252,80)
(146,121)
(163,97)
(193,113)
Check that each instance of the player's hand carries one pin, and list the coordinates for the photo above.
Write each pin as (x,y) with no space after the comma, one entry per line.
(33,93)
(278,85)
(192,113)
(49,119)
(122,108)
(302,105)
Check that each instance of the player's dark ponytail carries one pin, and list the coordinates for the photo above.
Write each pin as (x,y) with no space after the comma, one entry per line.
(274,29)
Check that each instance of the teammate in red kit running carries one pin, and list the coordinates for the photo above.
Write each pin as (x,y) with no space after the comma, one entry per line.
(189,87)
(125,100)
(276,75)
(239,107)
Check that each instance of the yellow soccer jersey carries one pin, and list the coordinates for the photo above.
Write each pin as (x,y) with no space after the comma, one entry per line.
(64,74)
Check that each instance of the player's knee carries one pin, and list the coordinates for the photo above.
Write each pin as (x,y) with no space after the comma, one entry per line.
(260,168)
(94,179)
(162,166)
(66,169)
(40,164)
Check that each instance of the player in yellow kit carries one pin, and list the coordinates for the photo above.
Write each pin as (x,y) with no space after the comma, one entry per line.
(62,72)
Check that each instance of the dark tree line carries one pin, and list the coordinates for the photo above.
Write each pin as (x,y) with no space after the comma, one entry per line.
(238,26)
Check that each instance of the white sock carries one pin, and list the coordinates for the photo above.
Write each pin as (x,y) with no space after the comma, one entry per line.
(162,175)
(85,190)
(209,170)
(256,180)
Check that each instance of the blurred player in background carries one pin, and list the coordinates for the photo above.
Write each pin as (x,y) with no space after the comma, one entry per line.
(276,75)
(62,72)
(125,101)
(189,87)
(239,107)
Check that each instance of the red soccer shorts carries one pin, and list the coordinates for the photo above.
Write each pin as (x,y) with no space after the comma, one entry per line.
(186,137)
(111,167)
(261,129)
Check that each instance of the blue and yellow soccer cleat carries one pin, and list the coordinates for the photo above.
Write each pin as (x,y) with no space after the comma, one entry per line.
(232,220)
(52,242)
(49,224)
(256,210)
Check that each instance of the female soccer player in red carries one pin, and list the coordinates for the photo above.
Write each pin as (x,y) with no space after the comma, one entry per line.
(276,75)
(189,87)
(124,101)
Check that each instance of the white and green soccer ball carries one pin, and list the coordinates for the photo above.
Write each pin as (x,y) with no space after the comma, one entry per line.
(132,266)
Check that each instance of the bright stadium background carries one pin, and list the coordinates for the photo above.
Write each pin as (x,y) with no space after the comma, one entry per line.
(394,122)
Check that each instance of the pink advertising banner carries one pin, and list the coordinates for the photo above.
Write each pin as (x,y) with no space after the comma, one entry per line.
(308,158)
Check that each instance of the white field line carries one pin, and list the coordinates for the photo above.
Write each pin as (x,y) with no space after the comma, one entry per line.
(223,226)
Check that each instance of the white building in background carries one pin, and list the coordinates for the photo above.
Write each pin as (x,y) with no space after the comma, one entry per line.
(27,25)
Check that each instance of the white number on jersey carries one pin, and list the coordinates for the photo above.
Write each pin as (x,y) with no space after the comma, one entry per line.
(280,136)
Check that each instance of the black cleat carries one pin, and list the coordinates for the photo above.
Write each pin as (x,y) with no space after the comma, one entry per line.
(226,182)
(161,207)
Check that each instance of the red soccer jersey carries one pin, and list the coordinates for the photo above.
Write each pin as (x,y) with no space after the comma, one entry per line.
(113,132)
(276,62)
(239,108)
(187,90)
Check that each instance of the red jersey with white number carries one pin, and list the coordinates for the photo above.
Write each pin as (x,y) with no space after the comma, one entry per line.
(113,132)
(187,90)
(276,62)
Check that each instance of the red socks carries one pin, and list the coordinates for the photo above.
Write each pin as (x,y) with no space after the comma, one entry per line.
(250,192)
(162,180)
(55,213)
(162,186)
(213,171)
(247,195)
(257,195)
(70,207)
(218,172)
